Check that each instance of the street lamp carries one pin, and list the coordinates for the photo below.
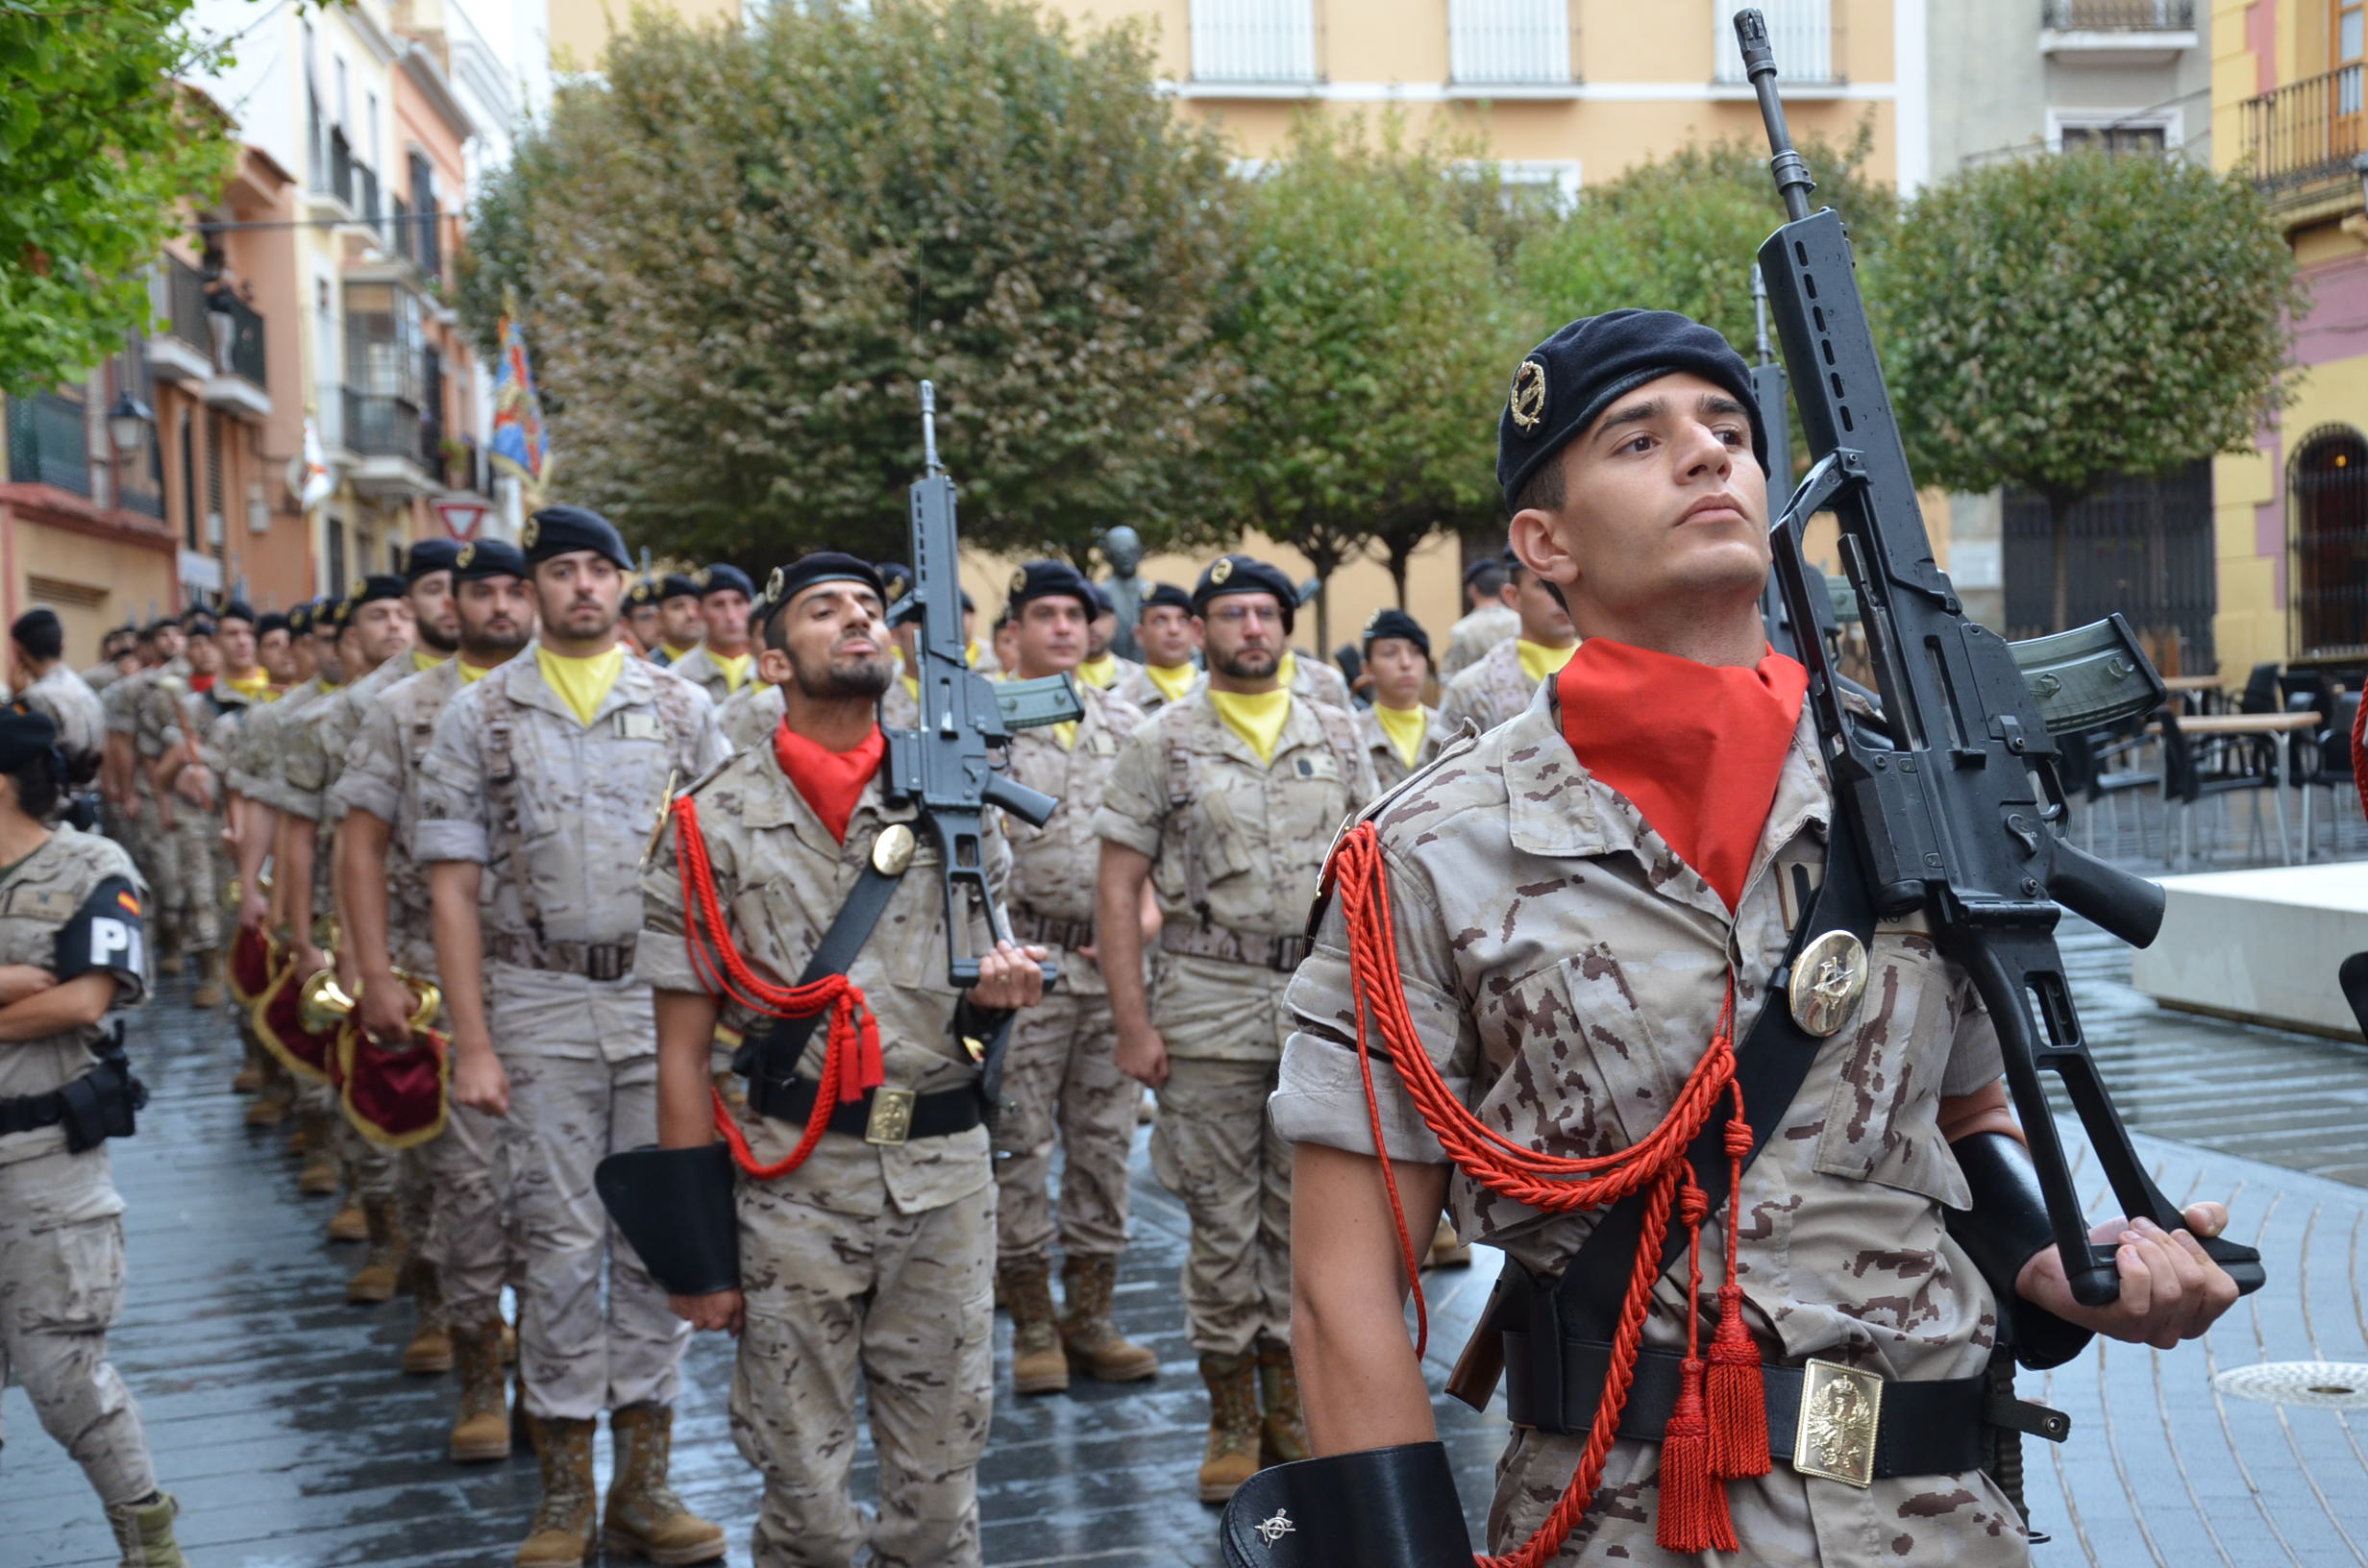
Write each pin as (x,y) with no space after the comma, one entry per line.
(127,421)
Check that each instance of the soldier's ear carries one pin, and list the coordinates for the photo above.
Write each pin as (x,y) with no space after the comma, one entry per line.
(773,666)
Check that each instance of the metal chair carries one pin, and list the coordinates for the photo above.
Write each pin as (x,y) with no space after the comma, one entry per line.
(2188,783)
(2328,761)
(2088,772)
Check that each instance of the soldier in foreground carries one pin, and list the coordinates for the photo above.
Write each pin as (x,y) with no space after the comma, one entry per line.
(71,948)
(536,797)
(1497,687)
(1587,903)
(1166,633)
(1061,1083)
(867,1242)
(1223,803)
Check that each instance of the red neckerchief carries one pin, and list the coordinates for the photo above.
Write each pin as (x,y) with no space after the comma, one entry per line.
(202,683)
(1695,747)
(831,782)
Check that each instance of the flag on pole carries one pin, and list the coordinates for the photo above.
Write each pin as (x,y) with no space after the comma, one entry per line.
(520,446)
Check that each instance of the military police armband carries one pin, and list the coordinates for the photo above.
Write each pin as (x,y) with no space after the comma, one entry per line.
(106,933)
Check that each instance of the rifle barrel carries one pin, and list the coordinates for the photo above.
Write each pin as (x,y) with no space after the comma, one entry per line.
(928,428)
(1793,181)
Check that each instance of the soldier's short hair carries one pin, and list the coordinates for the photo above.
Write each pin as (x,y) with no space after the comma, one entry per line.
(40,633)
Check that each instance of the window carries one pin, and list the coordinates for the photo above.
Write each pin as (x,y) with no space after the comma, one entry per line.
(1509,41)
(1254,40)
(2112,138)
(2328,489)
(1801,31)
(2115,130)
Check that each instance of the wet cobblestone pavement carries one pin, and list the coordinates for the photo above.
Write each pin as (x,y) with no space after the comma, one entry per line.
(279,1416)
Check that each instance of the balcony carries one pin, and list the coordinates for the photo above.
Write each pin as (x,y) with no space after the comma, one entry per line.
(2299,140)
(240,380)
(390,442)
(1253,48)
(1800,32)
(184,351)
(1509,48)
(331,194)
(2116,33)
(49,443)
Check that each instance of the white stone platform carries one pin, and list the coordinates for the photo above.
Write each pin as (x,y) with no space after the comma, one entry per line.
(2261,946)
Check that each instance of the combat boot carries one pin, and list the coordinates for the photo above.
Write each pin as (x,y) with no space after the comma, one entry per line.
(168,949)
(1092,1341)
(144,1533)
(1282,1436)
(319,1176)
(267,1111)
(562,1532)
(249,1079)
(481,1431)
(209,993)
(431,1350)
(643,1516)
(347,1224)
(1037,1364)
(382,1271)
(1232,1456)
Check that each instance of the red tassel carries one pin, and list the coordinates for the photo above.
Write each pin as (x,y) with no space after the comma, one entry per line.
(1693,1501)
(1736,1400)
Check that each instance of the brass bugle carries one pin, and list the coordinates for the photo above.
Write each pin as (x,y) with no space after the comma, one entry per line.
(324,1005)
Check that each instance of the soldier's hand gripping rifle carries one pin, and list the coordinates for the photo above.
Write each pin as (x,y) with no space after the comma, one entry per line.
(1957,813)
(950,764)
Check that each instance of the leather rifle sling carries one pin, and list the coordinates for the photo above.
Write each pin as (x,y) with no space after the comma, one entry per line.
(782,1044)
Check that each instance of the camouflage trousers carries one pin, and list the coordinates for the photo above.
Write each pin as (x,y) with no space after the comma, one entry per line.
(1783,1519)
(61,1287)
(191,844)
(582,1350)
(901,1305)
(1213,1149)
(455,1180)
(1061,1081)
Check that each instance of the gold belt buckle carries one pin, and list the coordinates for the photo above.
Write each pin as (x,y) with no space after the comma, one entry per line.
(1841,1419)
(891,1122)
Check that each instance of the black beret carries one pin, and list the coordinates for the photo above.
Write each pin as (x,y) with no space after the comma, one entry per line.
(1167,596)
(1246,575)
(25,733)
(430,555)
(161,623)
(722,579)
(330,615)
(895,579)
(482,559)
(201,626)
(300,618)
(677,585)
(1049,580)
(821,566)
(236,609)
(1395,624)
(561,531)
(37,619)
(1486,563)
(371,589)
(270,622)
(1565,382)
(643,595)
(969,605)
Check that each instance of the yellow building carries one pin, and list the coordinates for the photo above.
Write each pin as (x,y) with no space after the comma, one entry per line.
(2292,515)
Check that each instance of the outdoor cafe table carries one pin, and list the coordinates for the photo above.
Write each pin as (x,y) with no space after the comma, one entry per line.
(2199,687)
(2281,727)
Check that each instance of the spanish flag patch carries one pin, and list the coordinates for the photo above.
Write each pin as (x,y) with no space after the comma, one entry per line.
(130,904)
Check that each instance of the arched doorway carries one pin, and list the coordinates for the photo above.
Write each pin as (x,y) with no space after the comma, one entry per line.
(2328,489)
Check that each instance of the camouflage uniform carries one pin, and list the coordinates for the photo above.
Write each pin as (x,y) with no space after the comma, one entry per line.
(61,1217)
(1567,970)
(74,707)
(1236,847)
(188,902)
(700,669)
(1491,692)
(1318,679)
(122,703)
(1469,640)
(558,813)
(871,1260)
(1141,690)
(751,715)
(1389,767)
(1060,1076)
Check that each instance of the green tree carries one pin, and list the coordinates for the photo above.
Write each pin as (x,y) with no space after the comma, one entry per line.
(99,152)
(1376,340)
(2061,322)
(742,251)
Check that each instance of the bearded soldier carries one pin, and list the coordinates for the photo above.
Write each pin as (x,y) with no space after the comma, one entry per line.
(1222,804)
(866,1243)
(1499,684)
(536,796)
(1061,1083)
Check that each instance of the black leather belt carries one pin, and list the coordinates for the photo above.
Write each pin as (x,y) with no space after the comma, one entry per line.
(1282,954)
(593,959)
(886,1116)
(1916,1428)
(31,1112)
(1027,925)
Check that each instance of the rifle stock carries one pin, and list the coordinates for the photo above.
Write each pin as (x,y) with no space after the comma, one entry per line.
(1955,806)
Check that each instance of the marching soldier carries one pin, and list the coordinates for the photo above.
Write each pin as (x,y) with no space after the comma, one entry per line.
(1061,1083)
(447,1189)
(186,825)
(199,771)
(680,627)
(642,621)
(721,665)
(273,642)
(118,656)
(1223,803)
(1401,735)
(1165,632)
(71,948)
(122,778)
(1489,620)
(536,796)
(866,1245)
(1587,904)
(38,673)
(1498,686)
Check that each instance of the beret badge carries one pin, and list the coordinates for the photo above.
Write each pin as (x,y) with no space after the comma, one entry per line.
(1223,570)
(1019,581)
(772,586)
(356,592)
(1528,400)
(533,532)
(468,553)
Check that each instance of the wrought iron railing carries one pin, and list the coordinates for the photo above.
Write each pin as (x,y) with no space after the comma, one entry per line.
(2118,15)
(184,306)
(378,426)
(2308,130)
(247,358)
(2141,546)
(49,443)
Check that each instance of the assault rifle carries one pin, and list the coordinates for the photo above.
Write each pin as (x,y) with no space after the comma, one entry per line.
(952,764)
(1956,805)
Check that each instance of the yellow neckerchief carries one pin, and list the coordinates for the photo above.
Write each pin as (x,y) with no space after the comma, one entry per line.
(1173,681)
(1257,717)
(1102,672)
(582,682)
(1287,669)
(470,674)
(970,653)
(425,661)
(1539,661)
(1065,734)
(912,687)
(1405,728)
(255,686)
(674,654)
(735,667)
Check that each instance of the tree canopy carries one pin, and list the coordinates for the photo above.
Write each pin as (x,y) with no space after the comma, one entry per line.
(745,248)
(99,152)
